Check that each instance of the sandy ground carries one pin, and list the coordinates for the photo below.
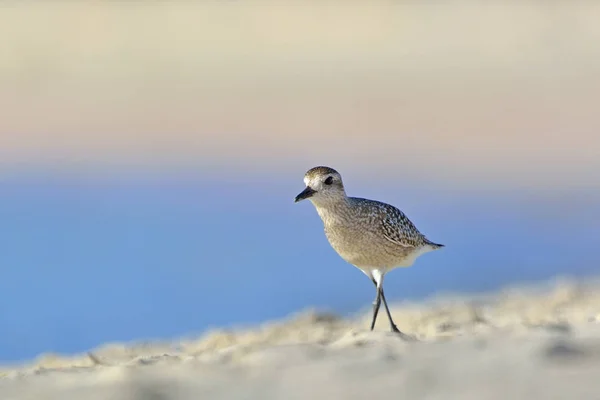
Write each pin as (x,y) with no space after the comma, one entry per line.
(534,342)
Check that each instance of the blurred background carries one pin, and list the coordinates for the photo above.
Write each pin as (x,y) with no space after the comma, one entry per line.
(150,153)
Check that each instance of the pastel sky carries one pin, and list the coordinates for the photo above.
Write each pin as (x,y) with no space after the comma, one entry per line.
(149,156)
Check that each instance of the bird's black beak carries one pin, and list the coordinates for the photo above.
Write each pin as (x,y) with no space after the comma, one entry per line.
(305,194)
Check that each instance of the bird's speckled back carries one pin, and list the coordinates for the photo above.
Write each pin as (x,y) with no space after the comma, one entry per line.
(372,234)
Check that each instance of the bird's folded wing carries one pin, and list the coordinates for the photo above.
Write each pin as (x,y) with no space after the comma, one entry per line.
(398,229)
(399,242)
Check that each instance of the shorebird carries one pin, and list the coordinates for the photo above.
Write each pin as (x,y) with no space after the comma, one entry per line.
(373,236)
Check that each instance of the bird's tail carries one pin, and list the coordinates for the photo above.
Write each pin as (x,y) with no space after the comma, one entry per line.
(433,245)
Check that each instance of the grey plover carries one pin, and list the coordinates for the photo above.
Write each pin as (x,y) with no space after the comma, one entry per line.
(373,236)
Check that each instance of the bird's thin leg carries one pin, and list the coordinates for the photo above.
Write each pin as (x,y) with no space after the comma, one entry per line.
(376,306)
(387,310)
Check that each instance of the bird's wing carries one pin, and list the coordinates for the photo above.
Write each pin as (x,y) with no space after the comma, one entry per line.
(399,242)
(398,229)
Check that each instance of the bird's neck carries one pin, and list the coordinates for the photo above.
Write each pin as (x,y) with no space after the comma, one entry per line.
(333,211)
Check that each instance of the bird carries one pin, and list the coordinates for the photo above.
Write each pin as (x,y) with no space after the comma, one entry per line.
(373,236)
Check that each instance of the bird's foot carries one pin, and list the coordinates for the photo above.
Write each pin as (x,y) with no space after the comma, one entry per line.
(402,335)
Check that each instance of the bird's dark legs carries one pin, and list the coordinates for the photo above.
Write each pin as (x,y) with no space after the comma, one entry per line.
(387,310)
(376,306)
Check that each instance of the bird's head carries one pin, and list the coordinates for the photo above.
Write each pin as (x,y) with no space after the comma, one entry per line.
(323,185)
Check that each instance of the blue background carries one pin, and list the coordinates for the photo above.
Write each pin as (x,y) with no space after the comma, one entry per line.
(85,262)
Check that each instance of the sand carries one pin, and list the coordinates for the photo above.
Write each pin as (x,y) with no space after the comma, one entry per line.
(538,342)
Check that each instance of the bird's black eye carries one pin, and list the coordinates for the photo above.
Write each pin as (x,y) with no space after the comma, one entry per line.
(329,180)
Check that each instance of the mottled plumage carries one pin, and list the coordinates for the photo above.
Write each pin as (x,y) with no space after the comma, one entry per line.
(319,171)
(373,236)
